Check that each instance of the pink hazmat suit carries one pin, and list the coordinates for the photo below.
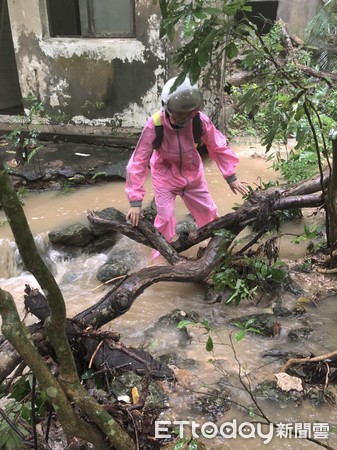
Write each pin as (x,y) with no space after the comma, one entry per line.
(177,169)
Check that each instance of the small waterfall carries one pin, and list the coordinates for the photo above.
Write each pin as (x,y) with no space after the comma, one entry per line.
(11,264)
(74,272)
(10,260)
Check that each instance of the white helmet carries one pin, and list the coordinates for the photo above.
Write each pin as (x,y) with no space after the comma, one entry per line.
(184,98)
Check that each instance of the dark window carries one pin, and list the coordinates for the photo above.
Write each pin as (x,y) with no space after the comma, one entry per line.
(91,18)
(263,14)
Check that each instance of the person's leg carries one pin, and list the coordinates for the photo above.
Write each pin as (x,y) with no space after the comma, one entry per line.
(165,221)
(200,204)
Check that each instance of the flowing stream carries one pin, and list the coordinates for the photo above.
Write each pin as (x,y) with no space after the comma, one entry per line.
(77,278)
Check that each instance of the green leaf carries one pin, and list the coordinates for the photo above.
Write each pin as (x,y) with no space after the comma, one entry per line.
(203,56)
(184,323)
(181,444)
(254,330)
(205,324)
(25,413)
(163,8)
(98,175)
(200,14)
(250,60)
(211,11)
(250,322)
(251,277)
(231,50)
(232,8)
(239,335)
(299,113)
(194,71)
(277,274)
(209,344)
(193,445)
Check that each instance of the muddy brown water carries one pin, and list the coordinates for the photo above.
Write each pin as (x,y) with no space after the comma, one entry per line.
(77,279)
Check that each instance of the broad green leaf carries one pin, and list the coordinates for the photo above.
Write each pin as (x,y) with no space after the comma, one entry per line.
(250,60)
(232,8)
(277,274)
(299,113)
(209,344)
(194,71)
(231,50)
(203,56)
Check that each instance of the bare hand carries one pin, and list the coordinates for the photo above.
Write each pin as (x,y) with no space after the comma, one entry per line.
(238,186)
(134,215)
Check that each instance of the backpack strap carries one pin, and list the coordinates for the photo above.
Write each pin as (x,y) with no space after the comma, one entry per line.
(159,130)
(197,130)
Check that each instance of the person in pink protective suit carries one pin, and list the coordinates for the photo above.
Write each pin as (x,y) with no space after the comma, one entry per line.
(176,166)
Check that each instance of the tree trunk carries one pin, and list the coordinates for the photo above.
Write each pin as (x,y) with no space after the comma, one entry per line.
(331,200)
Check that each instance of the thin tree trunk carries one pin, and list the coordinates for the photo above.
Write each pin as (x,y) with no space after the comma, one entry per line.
(331,200)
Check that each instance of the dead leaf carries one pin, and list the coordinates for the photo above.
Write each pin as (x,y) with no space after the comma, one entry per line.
(135,395)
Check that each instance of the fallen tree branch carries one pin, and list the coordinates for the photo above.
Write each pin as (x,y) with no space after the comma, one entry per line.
(293,361)
(120,298)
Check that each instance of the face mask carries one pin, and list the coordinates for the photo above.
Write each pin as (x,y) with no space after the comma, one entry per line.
(182,121)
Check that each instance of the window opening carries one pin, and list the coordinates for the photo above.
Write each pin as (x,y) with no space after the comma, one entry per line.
(91,18)
(262,10)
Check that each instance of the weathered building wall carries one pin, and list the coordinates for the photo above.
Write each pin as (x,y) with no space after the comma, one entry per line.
(114,81)
(297,13)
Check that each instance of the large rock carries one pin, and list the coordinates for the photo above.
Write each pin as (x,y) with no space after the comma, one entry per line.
(93,239)
(263,322)
(75,235)
(118,264)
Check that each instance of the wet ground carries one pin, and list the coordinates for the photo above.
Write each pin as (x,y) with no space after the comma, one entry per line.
(65,160)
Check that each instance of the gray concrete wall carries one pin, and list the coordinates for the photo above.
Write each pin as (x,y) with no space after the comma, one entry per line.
(297,14)
(71,75)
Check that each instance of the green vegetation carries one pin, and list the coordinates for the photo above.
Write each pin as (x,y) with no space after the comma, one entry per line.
(23,138)
(286,96)
(22,407)
(246,277)
(244,329)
